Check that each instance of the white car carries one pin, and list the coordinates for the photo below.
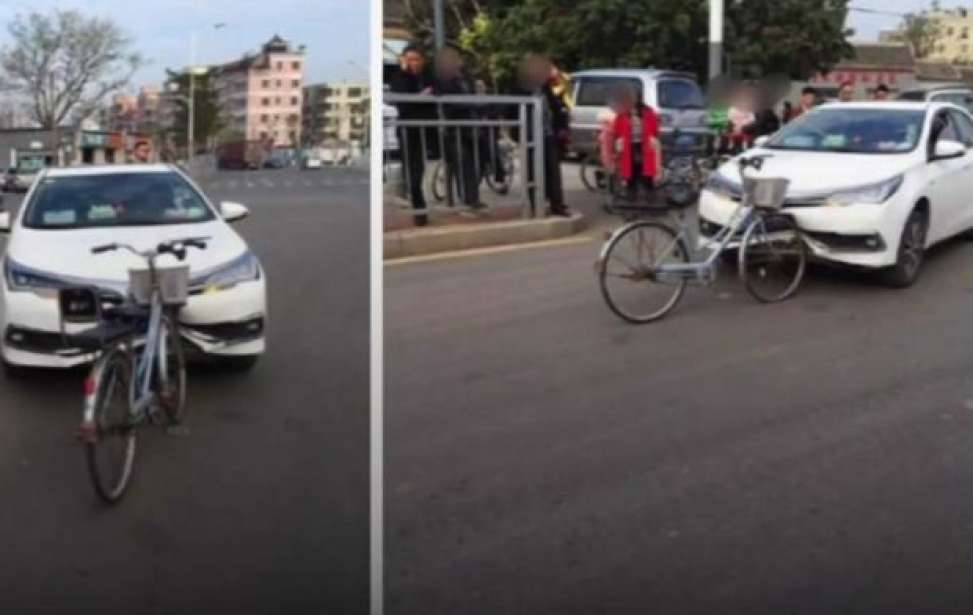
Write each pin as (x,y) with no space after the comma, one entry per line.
(70,210)
(871,184)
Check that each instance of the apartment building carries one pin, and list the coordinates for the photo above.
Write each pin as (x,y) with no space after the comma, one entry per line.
(261,94)
(134,113)
(336,112)
(955,40)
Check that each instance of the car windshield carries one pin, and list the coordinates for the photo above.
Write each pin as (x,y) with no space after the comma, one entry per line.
(857,131)
(115,199)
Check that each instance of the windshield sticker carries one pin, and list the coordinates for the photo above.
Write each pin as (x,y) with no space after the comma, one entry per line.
(102,212)
(60,218)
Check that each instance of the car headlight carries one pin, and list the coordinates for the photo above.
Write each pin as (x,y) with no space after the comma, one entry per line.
(242,269)
(878,192)
(721,185)
(22,278)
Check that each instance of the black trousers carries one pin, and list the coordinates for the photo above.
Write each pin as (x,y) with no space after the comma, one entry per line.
(490,159)
(553,188)
(413,164)
(461,164)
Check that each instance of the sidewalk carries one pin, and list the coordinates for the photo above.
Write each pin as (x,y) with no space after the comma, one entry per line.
(503,223)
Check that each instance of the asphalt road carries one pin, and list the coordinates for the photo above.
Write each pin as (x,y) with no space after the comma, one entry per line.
(263,507)
(542,456)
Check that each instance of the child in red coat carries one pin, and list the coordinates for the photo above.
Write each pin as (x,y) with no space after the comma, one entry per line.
(630,142)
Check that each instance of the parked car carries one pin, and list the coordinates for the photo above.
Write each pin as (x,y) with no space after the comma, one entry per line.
(19,180)
(312,160)
(871,184)
(957,94)
(70,210)
(674,95)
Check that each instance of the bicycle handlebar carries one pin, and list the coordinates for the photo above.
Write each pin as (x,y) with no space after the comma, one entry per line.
(176,247)
(755,162)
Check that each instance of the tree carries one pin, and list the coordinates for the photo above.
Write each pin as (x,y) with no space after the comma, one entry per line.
(921,30)
(796,38)
(65,64)
(207,121)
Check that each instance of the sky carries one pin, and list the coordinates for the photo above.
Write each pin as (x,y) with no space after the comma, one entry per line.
(335,32)
(867,26)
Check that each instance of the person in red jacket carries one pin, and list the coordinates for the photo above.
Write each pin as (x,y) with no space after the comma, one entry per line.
(632,139)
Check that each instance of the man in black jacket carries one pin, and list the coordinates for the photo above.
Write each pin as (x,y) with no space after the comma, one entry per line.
(535,76)
(459,142)
(412,79)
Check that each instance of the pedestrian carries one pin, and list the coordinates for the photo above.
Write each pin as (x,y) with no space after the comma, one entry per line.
(634,153)
(846,91)
(740,115)
(535,77)
(881,92)
(809,98)
(765,121)
(460,142)
(491,154)
(413,79)
(142,152)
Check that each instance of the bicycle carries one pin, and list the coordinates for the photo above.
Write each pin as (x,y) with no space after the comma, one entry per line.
(507,158)
(771,254)
(139,375)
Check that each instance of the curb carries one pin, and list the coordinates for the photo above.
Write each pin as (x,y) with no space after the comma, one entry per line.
(424,241)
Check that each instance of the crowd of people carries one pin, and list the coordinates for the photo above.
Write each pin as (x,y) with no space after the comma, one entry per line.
(470,152)
(629,133)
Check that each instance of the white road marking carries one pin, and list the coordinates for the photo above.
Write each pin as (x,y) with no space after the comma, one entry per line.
(548,243)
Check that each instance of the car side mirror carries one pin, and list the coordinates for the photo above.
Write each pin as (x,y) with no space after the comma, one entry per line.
(4,221)
(761,141)
(232,212)
(947,148)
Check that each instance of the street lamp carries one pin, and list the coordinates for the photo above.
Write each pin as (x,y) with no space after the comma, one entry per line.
(193,71)
(715,38)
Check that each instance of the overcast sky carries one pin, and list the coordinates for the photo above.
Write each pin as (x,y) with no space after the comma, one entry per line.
(334,31)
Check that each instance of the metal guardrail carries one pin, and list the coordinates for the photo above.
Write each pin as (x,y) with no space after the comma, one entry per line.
(516,120)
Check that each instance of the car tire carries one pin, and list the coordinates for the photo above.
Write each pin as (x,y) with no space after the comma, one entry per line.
(909,258)
(240,364)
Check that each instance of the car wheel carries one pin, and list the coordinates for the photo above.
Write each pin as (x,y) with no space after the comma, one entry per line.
(912,246)
(240,364)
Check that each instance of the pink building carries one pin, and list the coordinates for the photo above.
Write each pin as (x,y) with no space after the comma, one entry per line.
(260,94)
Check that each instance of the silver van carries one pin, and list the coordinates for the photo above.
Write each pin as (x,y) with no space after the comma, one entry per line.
(955,93)
(674,95)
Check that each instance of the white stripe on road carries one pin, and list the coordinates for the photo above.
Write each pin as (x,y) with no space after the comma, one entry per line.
(549,243)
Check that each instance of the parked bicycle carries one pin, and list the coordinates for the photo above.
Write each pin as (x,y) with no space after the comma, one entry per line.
(499,183)
(644,267)
(139,375)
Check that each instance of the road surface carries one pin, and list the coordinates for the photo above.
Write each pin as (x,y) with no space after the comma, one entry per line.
(814,456)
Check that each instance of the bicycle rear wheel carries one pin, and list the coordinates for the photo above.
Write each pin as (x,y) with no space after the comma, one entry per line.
(110,438)
(772,257)
(628,272)
(438,182)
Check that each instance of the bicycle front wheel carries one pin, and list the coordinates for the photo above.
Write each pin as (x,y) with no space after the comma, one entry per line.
(110,437)
(172,374)
(629,272)
(772,257)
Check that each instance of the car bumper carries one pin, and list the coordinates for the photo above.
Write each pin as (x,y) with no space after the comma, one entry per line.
(229,322)
(859,235)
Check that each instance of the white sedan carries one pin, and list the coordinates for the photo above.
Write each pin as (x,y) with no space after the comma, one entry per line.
(70,210)
(871,184)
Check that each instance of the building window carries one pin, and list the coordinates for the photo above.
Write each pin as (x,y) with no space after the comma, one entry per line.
(294,100)
(265,84)
(263,135)
(354,92)
(280,66)
(278,83)
(296,65)
(277,100)
(264,118)
(296,83)
(266,102)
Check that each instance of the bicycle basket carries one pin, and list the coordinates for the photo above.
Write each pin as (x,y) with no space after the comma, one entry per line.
(173,285)
(765,192)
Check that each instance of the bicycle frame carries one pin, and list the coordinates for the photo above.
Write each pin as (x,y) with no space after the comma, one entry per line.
(153,351)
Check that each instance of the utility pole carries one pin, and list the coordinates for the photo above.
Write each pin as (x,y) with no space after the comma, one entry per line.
(191,123)
(440,23)
(715,38)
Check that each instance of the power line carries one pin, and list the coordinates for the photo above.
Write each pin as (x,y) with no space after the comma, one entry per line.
(862,9)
